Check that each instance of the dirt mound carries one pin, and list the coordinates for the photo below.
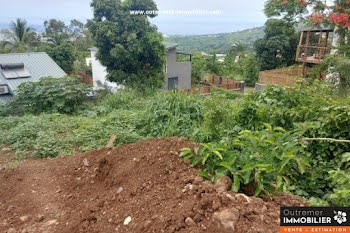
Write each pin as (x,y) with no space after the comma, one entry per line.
(141,187)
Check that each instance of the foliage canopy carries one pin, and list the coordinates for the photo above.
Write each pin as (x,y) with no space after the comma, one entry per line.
(129,46)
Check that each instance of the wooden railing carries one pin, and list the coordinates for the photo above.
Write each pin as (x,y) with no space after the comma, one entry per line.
(215,81)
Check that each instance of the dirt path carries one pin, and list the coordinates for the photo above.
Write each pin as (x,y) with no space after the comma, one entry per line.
(146,181)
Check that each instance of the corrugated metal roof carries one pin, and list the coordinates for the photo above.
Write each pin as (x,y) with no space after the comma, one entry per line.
(38,64)
(5,98)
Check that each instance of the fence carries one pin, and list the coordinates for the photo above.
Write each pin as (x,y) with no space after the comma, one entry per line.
(85,78)
(285,77)
(215,81)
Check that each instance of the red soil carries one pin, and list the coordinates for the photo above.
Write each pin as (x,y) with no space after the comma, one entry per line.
(98,190)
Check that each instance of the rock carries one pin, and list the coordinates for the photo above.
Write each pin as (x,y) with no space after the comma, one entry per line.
(127,220)
(223,184)
(189,222)
(120,189)
(227,218)
(86,162)
(24,218)
(243,198)
(51,222)
(230,197)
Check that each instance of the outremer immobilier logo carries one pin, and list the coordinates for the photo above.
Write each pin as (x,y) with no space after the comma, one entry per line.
(315,219)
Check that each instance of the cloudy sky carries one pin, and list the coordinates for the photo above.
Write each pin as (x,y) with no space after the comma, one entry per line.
(234,14)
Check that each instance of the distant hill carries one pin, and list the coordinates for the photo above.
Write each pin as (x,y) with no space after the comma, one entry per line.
(221,43)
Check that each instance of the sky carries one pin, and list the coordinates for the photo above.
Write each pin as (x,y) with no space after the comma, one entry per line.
(231,15)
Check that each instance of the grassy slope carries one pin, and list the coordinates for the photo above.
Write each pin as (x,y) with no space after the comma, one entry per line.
(219,42)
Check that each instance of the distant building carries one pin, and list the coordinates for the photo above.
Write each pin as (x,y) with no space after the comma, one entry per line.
(178,74)
(17,68)
(219,56)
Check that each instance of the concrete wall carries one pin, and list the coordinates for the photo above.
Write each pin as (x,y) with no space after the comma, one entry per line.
(99,73)
(182,70)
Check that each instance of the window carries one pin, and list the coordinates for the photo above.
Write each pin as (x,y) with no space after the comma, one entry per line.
(173,83)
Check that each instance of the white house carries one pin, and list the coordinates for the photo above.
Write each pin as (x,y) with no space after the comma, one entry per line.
(99,73)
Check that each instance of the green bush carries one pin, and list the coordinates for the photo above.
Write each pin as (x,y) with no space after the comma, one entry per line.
(53,95)
(254,160)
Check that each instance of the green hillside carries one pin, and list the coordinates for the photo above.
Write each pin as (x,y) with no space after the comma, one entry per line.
(221,43)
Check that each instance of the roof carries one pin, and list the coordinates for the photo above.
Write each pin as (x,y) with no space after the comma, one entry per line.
(5,98)
(169,46)
(38,64)
(94,49)
(311,29)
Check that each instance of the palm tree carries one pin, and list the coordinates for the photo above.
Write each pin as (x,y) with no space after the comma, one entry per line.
(238,49)
(20,31)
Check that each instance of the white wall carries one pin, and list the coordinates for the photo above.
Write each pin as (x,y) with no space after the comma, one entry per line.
(99,73)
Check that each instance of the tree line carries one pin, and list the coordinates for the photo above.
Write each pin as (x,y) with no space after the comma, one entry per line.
(67,44)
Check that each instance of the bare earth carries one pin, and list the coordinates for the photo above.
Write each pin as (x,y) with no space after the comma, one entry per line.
(146,181)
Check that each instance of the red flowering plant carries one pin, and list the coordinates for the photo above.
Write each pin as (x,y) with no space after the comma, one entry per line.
(333,12)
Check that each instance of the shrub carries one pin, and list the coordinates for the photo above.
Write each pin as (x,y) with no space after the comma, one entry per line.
(53,95)
(255,160)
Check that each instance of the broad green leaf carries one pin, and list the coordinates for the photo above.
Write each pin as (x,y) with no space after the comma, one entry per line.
(226,165)
(204,174)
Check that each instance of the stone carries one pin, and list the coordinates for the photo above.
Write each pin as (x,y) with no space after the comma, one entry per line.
(127,220)
(227,218)
(120,189)
(189,222)
(223,184)
(86,162)
(243,198)
(51,222)
(24,218)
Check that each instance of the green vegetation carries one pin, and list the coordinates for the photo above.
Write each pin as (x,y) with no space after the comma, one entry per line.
(53,95)
(62,54)
(67,45)
(278,47)
(264,141)
(254,160)
(129,46)
(221,43)
(20,37)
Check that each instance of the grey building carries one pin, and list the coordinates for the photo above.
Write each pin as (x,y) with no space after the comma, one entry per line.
(178,74)
(17,68)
